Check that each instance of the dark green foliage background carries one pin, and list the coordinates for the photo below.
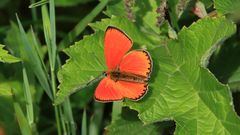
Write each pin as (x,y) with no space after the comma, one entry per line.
(194,88)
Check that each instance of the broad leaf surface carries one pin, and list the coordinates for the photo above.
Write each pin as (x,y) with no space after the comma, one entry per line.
(227,6)
(183,90)
(86,63)
(129,124)
(5,57)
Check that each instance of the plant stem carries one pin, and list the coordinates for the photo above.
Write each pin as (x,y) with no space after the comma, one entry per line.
(116,110)
(68,113)
(34,15)
(53,83)
(52,65)
(62,121)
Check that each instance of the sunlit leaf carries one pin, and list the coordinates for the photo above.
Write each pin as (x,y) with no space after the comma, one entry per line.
(128,123)
(182,89)
(78,70)
(7,58)
(227,6)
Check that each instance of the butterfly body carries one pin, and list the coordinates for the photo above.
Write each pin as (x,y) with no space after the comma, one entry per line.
(127,73)
(129,77)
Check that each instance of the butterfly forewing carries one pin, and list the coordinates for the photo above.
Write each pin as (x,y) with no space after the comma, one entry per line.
(116,45)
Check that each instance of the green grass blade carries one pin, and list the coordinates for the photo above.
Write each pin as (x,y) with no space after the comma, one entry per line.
(34,14)
(62,118)
(96,121)
(50,38)
(116,110)
(39,3)
(28,98)
(84,123)
(68,115)
(37,49)
(22,121)
(82,25)
(47,32)
(34,61)
(53,32)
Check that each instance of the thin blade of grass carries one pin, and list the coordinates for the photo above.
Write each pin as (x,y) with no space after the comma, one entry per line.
(68,116)
(22,121)
(53,32)
(64,127)
(34,61)
(28,98)
(37,49)
(84,123)
(47,33)
(96,120)
(78,29)
(34,14)
(50,38)
(39,3)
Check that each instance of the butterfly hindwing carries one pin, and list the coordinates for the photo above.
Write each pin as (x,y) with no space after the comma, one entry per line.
(133,91)
(109,90)
(116,45)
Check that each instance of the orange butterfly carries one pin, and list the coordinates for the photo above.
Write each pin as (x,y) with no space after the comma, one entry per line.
(127,73)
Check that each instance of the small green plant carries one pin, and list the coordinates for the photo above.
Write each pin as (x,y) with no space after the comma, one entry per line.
(47,70)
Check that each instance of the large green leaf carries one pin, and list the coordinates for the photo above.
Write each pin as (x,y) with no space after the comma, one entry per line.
(7,58)
(129,124)
(85,64)
(227,6)
(183,90)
